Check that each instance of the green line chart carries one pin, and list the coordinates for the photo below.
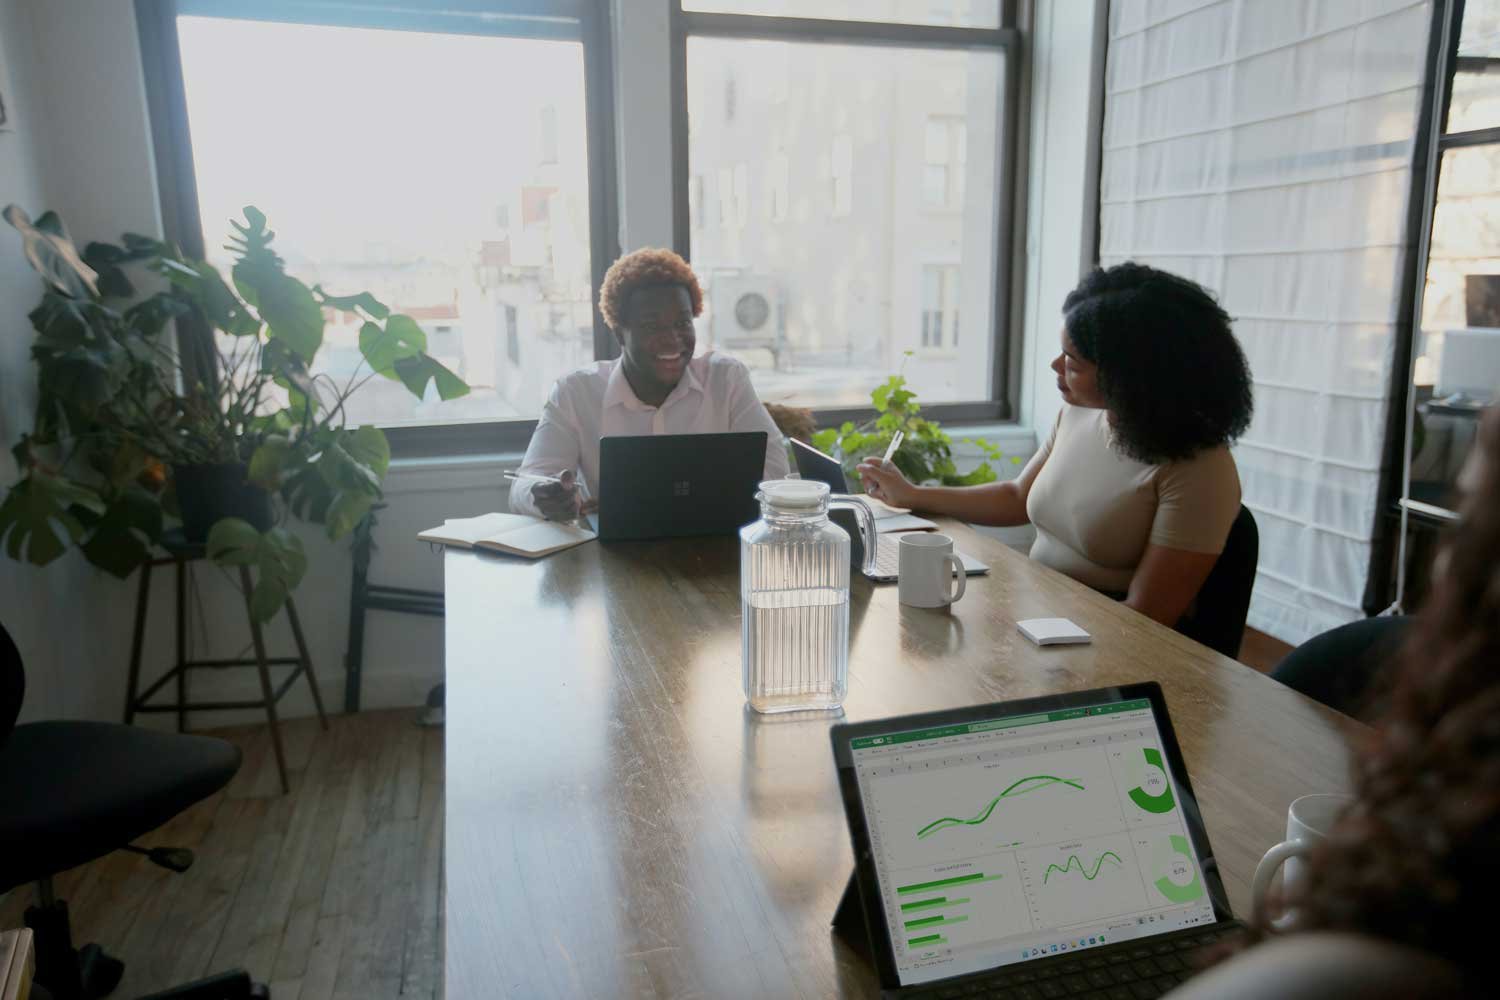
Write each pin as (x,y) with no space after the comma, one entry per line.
(1033,783)
(1074,862)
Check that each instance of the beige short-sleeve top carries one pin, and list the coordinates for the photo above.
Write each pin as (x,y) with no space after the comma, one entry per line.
(1096,510)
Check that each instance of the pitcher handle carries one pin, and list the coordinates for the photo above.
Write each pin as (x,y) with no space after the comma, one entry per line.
(866,518)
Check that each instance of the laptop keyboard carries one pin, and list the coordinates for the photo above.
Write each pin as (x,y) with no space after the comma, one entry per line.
(1130,971)
(887,557)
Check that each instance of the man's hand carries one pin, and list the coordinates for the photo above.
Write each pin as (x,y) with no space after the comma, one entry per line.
(557,501)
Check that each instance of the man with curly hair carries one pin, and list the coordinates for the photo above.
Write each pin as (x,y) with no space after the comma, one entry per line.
(656,386)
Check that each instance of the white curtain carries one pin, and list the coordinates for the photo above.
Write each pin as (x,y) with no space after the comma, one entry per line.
(1262,148)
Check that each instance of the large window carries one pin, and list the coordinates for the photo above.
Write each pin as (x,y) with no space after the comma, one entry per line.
(439,160)
(879,145)
(1456,374)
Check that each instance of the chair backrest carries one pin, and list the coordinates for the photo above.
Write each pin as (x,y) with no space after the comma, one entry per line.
(12,685)
(1218,616)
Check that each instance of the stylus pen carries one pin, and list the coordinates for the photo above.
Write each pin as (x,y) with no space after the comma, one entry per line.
(891,448)
(545,479)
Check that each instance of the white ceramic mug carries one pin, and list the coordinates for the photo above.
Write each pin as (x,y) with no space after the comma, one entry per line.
(1308,821)
(927,564)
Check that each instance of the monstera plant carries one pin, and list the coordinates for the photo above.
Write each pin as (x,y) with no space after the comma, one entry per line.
(131,434)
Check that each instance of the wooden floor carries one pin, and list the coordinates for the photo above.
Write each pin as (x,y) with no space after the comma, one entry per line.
(332,891)
(1261,651)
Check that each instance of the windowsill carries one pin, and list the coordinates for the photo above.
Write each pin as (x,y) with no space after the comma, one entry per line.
(440,473)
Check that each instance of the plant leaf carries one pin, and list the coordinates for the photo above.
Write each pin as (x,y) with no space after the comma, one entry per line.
(121,540)
(149,317)
(342,471)
(233,542)
(369,447)
(105,259)
(280,565)
(32,508)
(52,255)
(382,347)
(267,461)
(267,597)
(290,312)
(346,511)
(308,494)
(206,288)
(363,302)
(418,371)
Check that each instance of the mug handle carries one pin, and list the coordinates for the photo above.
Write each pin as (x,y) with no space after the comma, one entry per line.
(1265,872)
(957,566)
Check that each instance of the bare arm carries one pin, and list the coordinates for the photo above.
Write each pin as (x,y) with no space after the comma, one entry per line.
(1166,582)
(1197,505)
(998,504)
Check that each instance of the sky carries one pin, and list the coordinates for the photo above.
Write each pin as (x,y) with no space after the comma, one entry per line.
(412,141)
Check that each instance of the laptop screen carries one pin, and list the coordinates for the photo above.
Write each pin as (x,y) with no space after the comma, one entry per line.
(1009,839)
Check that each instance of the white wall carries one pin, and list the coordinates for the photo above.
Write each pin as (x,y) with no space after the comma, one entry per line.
(80,145)
(76,141)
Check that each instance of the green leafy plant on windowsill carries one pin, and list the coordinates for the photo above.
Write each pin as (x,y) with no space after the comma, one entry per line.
(124,424)
(925,454)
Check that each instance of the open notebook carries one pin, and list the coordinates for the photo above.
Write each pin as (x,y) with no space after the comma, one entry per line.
(516,534)
(889,518)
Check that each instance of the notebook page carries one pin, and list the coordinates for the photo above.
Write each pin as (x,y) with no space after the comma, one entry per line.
(470,530)
(538,537)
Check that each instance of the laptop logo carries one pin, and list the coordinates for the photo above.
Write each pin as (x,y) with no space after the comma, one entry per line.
(680,488)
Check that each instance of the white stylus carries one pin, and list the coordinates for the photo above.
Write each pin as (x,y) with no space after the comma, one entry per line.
(891,448)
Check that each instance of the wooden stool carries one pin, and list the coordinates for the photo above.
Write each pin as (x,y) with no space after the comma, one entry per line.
(180,552)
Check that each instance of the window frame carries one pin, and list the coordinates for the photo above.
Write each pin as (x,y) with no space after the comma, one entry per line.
(583,21)
(1005,367)
(1396,514)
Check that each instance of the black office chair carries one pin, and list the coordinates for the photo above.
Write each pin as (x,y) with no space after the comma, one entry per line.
(1218,616)
(1340,667)
(73,791)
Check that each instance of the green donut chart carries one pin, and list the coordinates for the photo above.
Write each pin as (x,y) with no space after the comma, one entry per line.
(1162,802)
(1171,890)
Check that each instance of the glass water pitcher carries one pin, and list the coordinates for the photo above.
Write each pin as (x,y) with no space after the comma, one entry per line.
(794,589)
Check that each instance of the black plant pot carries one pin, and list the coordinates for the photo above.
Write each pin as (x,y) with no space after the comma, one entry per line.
(208,493)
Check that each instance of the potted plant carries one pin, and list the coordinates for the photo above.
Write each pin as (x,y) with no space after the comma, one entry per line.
(925,454)
(129,433)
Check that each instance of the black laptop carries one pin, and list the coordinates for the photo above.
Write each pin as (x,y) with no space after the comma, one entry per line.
(1049,847)
(656,486)
(813,464)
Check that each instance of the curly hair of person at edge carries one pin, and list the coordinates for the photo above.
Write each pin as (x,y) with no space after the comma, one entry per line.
(1416,859)
(1173,377)
(644,269)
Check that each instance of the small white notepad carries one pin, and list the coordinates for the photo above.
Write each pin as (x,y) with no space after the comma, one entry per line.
(516,534)
(1052,631)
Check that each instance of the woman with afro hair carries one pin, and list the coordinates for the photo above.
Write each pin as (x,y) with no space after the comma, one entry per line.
(656,386)
(1134,491)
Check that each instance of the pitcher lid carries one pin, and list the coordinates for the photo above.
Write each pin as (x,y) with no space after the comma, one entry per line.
(793,495)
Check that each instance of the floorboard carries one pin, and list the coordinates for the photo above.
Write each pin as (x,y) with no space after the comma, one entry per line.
(334,890)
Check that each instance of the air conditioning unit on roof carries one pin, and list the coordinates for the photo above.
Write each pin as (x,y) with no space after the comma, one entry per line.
(747,314)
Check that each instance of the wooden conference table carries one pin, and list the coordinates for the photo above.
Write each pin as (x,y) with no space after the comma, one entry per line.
(619,824)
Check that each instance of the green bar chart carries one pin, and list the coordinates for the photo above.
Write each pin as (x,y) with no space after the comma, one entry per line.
(929,939)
